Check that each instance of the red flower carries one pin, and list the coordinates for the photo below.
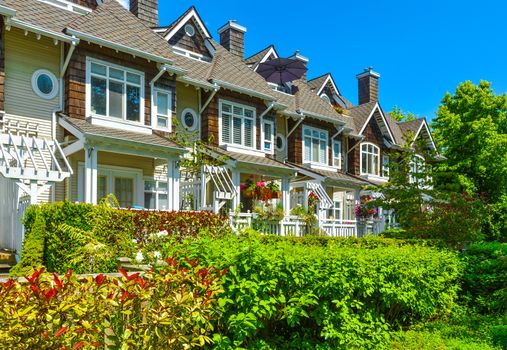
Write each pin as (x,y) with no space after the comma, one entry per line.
(99,279)
(61,331)
(79,345)
(57,280)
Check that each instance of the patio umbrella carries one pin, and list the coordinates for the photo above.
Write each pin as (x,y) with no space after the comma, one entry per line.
(281,70)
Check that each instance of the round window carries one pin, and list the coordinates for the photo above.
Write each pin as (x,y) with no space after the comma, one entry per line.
(44,84)
(280,142)
(189,30)
(189,119)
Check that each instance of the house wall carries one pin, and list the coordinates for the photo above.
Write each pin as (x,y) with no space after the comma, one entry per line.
(295,149)
(194,44)
(280,128)
(75,90)
(188,97)
(372,134)
(2,63)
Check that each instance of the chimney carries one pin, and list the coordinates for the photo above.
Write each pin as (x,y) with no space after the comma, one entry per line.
(368,85)
(145,10)
(297,56)
(232,37)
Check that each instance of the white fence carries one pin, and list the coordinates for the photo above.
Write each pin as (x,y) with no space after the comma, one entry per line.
(12,211)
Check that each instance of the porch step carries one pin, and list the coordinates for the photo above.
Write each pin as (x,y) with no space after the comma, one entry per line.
(7,260)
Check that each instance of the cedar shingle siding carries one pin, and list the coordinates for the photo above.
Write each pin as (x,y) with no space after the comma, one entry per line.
(194,44)
(234,41)
(145,10)
(368,89)
(75,89)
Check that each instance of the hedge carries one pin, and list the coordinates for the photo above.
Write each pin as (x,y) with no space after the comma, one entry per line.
(89,239)
(299,296)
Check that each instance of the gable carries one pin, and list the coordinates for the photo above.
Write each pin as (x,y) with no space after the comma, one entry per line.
(195,43)
(377,114)
(424,134)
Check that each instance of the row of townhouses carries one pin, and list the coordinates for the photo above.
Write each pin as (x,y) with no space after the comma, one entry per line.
(94,99)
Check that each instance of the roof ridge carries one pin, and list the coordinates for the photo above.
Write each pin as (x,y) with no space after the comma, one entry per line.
(320,76)
(258,52)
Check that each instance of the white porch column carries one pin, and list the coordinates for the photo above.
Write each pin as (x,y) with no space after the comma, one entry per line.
(286,196)
(204,189)
(236,175)
(305,196)
(173,184)
(90,190)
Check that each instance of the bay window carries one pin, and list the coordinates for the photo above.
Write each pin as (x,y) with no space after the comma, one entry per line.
(237,124)
(114,91)
(337,154)
(315,145)
(370,159)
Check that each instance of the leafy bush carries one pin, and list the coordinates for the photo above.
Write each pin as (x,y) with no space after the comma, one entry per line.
(485,277)
(285,295)
(88,239)
(166,308)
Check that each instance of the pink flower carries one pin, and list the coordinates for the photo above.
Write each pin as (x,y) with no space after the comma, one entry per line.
(242,187)
(261,184)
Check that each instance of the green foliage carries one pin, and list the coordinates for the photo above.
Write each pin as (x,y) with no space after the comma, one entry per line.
(88,239)
(499,336)
(166,308)
(401,116)
(485,277)
(281,294)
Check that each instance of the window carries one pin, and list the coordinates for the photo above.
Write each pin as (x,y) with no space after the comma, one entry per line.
(189,30)
(335,212)
(238,124)
(337,154)
(101,187)
(45,84)
(115,91)
(163,109)
(417,165)
(370,159)
(189,119)
(315,145)
(124,191)
(280,142)
(269,136)
(156,194)
(325,98)
(385,166)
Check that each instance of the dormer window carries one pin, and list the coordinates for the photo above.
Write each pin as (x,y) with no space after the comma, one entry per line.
(189,30)
(325,98)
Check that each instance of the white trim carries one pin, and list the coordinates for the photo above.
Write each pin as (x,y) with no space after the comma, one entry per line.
(271,51)
(194,114)
(325,98)
(100,119)
(190,54)
(329,78)
(54,81)
(284,142)
(428,131)
(244,150)
(263,139)
(120,124)
(14,22)
(384,157)
(232,24)
(243,90)
(319,166)
(189,30)
(377,106)
(69,6)
(361,160)
(340,155)
(312,128)
(254,125)
(154,109)
(184,20)
(157,191)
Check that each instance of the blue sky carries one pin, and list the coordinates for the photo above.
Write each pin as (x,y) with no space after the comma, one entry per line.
(421,49)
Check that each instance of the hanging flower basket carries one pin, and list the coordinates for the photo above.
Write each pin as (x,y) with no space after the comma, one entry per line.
(260,190)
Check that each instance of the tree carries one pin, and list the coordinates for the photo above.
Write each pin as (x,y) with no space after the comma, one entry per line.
(401,116)
(471,128)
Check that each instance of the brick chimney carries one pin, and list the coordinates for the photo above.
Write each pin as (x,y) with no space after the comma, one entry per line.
(297,56)
(146,10)
(232,37)
(367,82)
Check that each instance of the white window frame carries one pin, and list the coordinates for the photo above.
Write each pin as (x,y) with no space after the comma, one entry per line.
(272,140)
(325,98)
(311,128)
(375,147)
(284,142)
(157,192)
(54,81)
(254,125)
(123,120)
(154,109)
(416,167)
(385,167)
(196,117)
(339,158)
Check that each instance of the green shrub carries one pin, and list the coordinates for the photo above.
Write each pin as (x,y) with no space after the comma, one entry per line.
(89,239)
(499,336)
(485,277)
(284,295)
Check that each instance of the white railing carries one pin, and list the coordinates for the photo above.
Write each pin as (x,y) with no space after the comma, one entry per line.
(190,194)
(339,228)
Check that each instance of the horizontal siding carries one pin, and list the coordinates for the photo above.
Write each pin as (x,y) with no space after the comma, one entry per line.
(20,64)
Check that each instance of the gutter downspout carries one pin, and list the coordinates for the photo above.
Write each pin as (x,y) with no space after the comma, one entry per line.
(73,44)
(338,132)
(270,107)
(208,101)
(357,144)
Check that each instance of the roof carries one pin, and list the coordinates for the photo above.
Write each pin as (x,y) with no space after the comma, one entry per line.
(411,125)
(251,159)
(89,129)
(256,58)
(112,22)
(334,176)
(316,83)
(41,14)
(361,113)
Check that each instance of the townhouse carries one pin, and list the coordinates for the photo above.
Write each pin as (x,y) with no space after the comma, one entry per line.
(97,99)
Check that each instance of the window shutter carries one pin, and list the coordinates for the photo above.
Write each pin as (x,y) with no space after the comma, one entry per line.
(236,130)
(226,128)
(249,133)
